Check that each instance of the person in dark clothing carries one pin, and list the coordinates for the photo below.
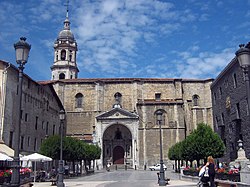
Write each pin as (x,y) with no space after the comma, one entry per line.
(211,170)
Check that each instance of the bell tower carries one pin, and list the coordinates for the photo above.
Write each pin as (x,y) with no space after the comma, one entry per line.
(65,48)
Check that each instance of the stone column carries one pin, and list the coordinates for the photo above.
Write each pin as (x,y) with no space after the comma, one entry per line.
(244,164)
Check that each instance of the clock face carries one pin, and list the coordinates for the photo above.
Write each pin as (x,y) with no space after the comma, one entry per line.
(228,102)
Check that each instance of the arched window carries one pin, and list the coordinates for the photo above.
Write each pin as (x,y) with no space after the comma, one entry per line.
(196,100)
(160,117)
(47,105)
(78,100)
(56,55)
(62,76)
(70,56)
(63,54)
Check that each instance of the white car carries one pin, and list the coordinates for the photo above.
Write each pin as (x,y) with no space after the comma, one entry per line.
(157,167)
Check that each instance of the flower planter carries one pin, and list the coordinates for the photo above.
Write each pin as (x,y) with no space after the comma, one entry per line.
(225,176)
(190,172)
(1,180)
(24,176)
(7,179)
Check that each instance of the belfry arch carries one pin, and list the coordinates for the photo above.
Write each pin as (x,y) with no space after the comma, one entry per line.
(117,145)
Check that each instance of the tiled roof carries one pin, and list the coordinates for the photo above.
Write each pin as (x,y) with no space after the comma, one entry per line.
(115,80)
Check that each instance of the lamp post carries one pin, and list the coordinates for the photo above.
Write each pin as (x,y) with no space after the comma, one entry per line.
(161,180)
(22,49)
(243,56)
(60,176)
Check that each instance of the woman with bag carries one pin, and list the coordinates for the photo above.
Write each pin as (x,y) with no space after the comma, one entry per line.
(211,170)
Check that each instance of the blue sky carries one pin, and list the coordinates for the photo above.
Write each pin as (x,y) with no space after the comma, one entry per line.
(129,38)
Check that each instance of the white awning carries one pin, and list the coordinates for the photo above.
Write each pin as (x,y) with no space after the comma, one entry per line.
(6,149)
(4,157)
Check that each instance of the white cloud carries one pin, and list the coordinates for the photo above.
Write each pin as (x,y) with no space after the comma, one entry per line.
(117,38)
(112,31)
(205,64)
(204,17)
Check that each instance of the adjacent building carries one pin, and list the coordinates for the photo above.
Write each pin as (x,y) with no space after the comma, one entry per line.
(40,108)
(230,109)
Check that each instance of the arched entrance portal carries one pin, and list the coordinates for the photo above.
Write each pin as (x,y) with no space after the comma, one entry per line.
(117,145)
(118,155)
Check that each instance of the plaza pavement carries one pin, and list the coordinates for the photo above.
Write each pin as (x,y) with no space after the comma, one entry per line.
(173,183)
(130,178)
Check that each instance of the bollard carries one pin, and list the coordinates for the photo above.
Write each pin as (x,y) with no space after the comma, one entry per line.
(125,167)
(145,167)
(115,167)
(135,167)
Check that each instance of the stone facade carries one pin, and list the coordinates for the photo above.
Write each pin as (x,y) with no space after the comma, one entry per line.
(40,107)
(230,109)
(119,114)
(130,105)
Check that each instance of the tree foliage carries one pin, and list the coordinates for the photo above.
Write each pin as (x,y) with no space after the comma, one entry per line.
(200,144)
(208,143)
(51,147)
(175,152)
(73,149)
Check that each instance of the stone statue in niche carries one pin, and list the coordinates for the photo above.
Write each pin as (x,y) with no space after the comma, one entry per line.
(118,134)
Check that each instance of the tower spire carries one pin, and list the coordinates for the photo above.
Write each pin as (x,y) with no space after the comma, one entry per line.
(67,22)
(65,46)
(67,10)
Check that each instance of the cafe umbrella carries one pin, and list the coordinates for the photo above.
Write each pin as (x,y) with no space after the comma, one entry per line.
(4,157)
(35,157)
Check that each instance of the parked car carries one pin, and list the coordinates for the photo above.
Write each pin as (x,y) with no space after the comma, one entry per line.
(157,167)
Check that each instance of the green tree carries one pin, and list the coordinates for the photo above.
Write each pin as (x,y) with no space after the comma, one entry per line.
(204,142)
(73,150)
(189,151)
(208,143)
(175,153)
(51,147)
(201,143)
(92,152)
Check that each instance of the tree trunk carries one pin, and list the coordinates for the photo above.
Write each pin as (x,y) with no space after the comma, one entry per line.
(93,164)
(74,169)
(175,163)
(179,167)
(85,166)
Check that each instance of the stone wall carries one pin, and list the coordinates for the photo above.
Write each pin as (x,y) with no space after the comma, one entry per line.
(40,107)
(230,109)
(138,95)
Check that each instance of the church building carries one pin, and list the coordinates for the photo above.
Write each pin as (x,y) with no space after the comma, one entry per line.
(123,115)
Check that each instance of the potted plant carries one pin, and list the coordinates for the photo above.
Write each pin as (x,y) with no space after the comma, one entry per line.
(228,174)
(5,176)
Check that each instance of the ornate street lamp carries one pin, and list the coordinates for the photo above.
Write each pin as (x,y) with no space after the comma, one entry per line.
(22,49)
(60,176)
(161,180)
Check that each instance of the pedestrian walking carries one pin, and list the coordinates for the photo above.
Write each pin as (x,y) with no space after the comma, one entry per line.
(211,170)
